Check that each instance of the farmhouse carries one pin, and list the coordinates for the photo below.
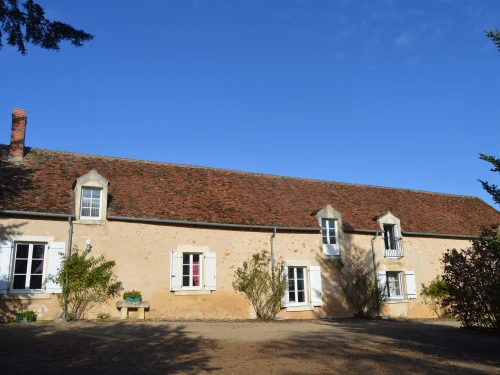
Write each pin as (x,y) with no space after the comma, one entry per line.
(178,232)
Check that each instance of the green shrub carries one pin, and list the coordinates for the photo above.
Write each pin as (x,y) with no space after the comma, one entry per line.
(433,295)
(28,314)
(86,282)
(255,281)
(132,294)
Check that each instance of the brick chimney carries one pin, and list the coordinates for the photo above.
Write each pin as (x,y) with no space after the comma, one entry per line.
(17,135)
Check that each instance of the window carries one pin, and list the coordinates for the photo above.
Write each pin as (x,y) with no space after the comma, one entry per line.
(329,234)
(303,290)
(91,203)
(297,286)
(392,241)
(191,271)
(29,265)
(397,284)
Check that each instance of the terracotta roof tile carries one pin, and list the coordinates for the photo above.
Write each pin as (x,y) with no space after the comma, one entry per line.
(141,189)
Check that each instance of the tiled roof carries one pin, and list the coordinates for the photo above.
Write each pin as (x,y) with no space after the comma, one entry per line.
(140,189)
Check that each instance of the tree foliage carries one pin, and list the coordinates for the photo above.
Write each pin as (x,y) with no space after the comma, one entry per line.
(492,189)
(254,280)
(358,284)
(472,277)
(494,35)
(86,281)
(27,24)
(433,295)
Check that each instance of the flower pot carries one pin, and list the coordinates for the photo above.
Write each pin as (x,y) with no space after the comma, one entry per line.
(130,299)
(22,320)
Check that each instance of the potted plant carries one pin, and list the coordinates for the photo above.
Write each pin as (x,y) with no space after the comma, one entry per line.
(132,296)
(27,316)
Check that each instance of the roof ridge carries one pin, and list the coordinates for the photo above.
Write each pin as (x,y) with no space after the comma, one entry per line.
(268,175)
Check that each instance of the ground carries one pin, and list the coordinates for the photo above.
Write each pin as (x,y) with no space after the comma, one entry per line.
(249,347)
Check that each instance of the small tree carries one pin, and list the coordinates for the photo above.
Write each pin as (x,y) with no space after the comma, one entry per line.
(433,295)
(254,280)
(472,277)
(86,281)
(358,284)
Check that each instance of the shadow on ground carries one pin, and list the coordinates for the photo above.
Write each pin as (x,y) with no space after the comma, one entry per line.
(379,347)
(102,348)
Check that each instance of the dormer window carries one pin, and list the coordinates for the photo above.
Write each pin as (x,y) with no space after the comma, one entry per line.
(392,241)
(91,203)
(329,234)
(330,221)
(91,198)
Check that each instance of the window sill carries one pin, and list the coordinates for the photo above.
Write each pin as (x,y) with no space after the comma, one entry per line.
(393,258)
(300,308)
(396,300)
(90,222)
(25,296)
(192,292)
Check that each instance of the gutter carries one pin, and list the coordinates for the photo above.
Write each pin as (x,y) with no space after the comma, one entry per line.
(236,226)
(203,223)
(28,213)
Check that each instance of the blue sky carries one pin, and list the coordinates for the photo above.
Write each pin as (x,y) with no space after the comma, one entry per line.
(392,93)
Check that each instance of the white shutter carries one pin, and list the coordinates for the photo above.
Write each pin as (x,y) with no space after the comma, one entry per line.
(315,280)
(176,271)
(210,271)
(55,256)
(5,256)
(411,285)
(284,299)
(382,283)
(396,237)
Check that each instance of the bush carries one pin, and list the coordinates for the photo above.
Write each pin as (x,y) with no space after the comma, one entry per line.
(358,284)
(433,295)
(28,314)
(86,281)
(254,280)
(472,277)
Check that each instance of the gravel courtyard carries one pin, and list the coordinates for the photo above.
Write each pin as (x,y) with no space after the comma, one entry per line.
(250,347)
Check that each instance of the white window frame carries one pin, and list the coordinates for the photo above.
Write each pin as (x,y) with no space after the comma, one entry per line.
(401,285)
(100,203)
(28,267)
(328,227)
(200,271)
(306,286)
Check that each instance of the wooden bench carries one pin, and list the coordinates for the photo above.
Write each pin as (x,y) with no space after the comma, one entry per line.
(125,305)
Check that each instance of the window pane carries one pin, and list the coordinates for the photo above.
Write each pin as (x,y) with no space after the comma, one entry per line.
(185,280)
(300,284)
(36,282)
(290,273)
(94,212)
(37,266)
(21,266)
(301,296)
(196,258)
(300,273)
(185,258)
(291,296)
(86,212)
(185,270)
(22,251)
(86,193)
(86,202)
(38,251)
(96,193)
(19,282)
(323,223)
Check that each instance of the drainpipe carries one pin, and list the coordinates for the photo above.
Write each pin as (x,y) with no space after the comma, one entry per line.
(375,268)
(272,254)
(70,244)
